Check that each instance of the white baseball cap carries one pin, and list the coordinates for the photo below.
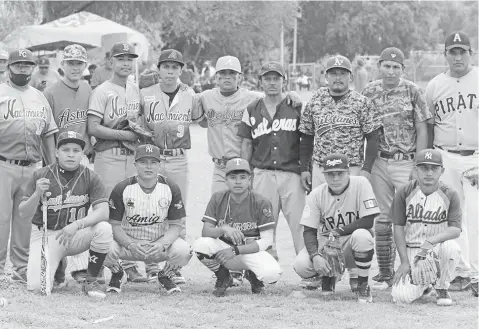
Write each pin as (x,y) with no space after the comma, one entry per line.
(228,63)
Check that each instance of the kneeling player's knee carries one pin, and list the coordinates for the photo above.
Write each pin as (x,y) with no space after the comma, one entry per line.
(406,292)
(450,250)
(102,238)
(180,253)
(362,240)
(203,246)
(302,266)
(270,275)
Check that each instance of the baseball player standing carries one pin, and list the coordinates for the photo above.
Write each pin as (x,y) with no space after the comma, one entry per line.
(346,207)
(452,97)
(237,231)
(168,108)
(26,126)
(146,213)
(337,120)
(71,189)
(3,66)
(427,216)
(402,108)
(271,143)
(112,102)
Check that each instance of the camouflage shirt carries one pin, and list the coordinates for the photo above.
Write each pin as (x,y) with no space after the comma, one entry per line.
(339,127)
(400,108)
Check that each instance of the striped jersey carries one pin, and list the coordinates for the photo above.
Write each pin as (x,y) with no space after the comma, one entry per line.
(250,216)
(425,215)
(145,216)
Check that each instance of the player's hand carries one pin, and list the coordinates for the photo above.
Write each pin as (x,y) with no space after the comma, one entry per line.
(138,251)
(224,255)
(42,185)
(154,251)
(321,265)
(401,273)
(413,174)
(292,98)
(366,174)
(306,181)
(65,236)
(233,234)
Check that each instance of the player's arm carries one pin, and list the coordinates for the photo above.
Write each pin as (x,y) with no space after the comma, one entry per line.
(397,215)
(454,221)
(244,131)
(310,221)
(96,129)
(176,213)
(48,135)
(48,143)
(32,193)
(117,211)
(430,106)
(197,112)
(365,222)
(99,201)
(199,101)
(372,148)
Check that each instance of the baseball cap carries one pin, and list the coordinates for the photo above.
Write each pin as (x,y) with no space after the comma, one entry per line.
(3,54)
(457,39)
(335,162)
(340,62)
(228,63)
(147,151)
(392,54)
(21,55)
(237,164)
(70,137)
(122,48)
(43,61)
(429,156)
(171,55)
(272,67)
(75,53)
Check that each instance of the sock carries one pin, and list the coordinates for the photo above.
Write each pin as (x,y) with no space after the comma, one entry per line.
(210,262)
(169,270)
(362,279)
(95,262)
(363,261)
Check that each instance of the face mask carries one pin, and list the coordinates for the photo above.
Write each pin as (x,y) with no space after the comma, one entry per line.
(20,79)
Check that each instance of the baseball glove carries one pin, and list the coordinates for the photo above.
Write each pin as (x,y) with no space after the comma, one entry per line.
(148,78)
(425,268)
(472,175)
(333,253)
(144,137)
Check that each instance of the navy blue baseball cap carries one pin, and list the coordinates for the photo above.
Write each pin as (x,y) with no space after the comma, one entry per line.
(171,55)
(429,156)
(70,137)
(123,48)
(148,151)
(237,164)
(335,162)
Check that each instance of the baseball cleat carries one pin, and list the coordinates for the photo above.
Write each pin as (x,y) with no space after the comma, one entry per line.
(60,280)
(443,297)
(257,286)
(383,282)
(363,293)
(19,277)
(152,276)
(354,283)
(223,281)
(460,284)
(93,289)
(178,278)
(168,284)
(311,283)
(80,276)
(474,288)
(115,282)
(328,285)
(237,278)
(134,276)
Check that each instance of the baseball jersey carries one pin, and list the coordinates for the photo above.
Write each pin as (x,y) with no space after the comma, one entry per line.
(250,216)
(169,123)
(69,106)
(25,117)
(425,215)
(4,77)
(51,78)
(275,140)
(113,103)
(454,104)
(224,115)
(400,108)
(339,127)
(145,216)
(69,200)
(325,211)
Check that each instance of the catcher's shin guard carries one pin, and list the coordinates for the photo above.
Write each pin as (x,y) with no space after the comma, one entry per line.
(385,251)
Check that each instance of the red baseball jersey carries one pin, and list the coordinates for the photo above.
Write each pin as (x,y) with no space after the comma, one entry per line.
(69,200)
(251,216)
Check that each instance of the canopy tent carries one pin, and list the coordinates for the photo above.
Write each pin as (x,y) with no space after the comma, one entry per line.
(82,28)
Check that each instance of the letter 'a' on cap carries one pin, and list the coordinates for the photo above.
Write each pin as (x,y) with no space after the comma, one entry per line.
(147,151)
(335,162)
(392,54)
(429,156)
(237,164)
(338,61)
(171,55)
(228,63)
(457,40)
(71,137)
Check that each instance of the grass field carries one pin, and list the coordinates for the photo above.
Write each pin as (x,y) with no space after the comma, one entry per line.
(284,306)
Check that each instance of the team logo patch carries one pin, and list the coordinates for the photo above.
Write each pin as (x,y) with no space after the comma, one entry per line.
(338,62)
(371,203)
(393,55)
(428,156)
(149,98)
(111,204)
(179,205)
(130,203)
(267,212)
(163,202)
(332,163)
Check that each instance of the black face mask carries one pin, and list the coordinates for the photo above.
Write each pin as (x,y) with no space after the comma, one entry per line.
(20,79)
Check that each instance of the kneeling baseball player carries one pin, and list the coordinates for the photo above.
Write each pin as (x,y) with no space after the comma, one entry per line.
(146,212)
(427,218)
(237,231)
(70,189)
(338,219)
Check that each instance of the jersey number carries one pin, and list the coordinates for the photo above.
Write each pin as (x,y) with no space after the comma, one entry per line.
(74,215)
(181,131)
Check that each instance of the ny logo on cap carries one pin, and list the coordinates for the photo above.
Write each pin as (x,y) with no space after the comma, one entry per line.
(393,55)
(126,47)
(238,161)
(149,149)
(22,53)
(172,55)
(457,37)
(272,66)
(72,134)
(428,156)
(338,61)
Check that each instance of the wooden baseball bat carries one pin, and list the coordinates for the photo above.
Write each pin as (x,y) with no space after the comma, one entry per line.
(45,283)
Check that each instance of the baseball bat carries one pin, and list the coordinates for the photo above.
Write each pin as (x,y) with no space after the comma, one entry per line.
(45,288)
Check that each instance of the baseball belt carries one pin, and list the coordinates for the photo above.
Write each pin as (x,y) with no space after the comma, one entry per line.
(464,153)
(398,156)
(121,151)
(171,152)
(23,163)
(220,162)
